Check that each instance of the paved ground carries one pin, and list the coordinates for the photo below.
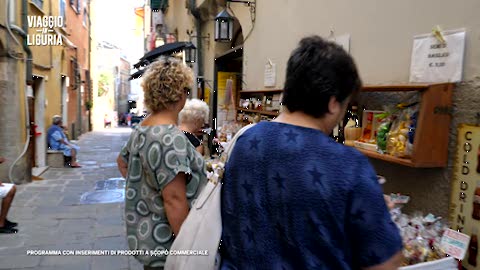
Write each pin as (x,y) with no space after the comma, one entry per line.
(52,217)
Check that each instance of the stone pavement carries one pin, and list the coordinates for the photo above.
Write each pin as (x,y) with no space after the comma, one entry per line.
(51,214)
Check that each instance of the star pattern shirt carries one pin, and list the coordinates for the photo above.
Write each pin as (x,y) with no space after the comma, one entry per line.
(292,198)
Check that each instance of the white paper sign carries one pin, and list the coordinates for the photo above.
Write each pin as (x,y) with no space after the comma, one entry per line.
(434,61)
(270,75)
(343,40)
(455,244)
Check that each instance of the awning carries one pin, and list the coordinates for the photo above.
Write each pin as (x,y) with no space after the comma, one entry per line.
(166,49)
(136,75)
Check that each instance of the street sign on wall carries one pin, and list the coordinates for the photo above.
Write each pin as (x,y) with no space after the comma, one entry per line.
(465,196)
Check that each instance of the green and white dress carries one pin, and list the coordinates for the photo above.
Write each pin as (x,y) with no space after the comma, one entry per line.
(155,155)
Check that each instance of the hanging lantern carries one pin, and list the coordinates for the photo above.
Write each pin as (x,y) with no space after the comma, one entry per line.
(190,53)
(224,27)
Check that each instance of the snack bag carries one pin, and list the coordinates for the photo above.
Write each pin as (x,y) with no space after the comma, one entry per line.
(412,116)
(382,131)
(398,136)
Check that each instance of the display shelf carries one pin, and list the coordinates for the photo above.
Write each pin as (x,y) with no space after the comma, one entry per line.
(258,111)
(430,146)
(388,158)
(267,91)
(396,88)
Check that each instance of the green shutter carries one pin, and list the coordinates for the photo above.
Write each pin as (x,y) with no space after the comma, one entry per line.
(158,4)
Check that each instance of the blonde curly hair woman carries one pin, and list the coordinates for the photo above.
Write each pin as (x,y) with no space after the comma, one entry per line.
(163,171)
(192,118)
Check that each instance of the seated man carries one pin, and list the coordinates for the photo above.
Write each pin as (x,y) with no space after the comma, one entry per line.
(7,192)
(58,141)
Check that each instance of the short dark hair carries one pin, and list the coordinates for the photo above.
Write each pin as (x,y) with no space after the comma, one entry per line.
(316,71)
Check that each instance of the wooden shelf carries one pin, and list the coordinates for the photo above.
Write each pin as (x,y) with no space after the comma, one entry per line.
(398,87)
(258,111)
(261,91)
(388,158)
(430,146)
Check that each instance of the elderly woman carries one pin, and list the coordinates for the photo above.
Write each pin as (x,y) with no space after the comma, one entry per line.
(192,118)
(163,170)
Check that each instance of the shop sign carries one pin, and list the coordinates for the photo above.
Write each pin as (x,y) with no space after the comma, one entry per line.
(438,58)
(465,196)
(270,77)
(455,244)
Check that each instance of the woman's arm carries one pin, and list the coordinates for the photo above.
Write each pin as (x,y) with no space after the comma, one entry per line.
(175,202)
(122,166)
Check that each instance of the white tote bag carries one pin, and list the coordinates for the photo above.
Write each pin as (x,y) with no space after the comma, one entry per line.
(202,229)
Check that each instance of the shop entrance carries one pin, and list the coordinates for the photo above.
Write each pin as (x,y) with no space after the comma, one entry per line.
(64,99)
(228,78)
(37,113)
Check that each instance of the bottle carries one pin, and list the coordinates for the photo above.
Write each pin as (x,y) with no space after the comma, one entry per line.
(354,121)
(341,134)
(476,203)
(473,248)
(348,115)
(478,160)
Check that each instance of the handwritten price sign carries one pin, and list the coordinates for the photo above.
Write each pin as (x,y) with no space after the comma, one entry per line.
(455,244)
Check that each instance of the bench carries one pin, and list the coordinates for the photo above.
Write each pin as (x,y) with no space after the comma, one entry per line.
(56,159)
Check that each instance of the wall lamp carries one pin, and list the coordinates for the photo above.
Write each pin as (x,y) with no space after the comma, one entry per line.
(224,21)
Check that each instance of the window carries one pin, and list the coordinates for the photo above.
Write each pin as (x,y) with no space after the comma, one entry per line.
(38,3)
(11,11)
(85,17)
(63,10)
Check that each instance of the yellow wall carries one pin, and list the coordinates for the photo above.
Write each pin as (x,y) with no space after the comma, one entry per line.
(48,57)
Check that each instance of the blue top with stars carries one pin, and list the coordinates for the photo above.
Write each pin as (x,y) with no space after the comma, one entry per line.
(295,199)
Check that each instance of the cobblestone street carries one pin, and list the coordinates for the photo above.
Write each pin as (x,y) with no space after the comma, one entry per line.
(56,213)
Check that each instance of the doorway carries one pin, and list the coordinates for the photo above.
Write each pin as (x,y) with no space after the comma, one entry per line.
(38,122)
(64,95)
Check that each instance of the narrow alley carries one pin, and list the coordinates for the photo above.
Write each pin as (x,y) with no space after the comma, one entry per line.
(72,209)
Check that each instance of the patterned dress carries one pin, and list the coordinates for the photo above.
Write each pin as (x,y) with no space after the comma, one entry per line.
(155,155)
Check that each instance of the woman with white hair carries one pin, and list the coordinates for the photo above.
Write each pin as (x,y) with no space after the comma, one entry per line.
(192,118)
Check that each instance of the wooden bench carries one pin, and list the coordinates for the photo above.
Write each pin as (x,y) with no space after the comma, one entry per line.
(56,159)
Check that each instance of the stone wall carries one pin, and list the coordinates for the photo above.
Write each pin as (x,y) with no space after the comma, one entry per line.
(11,137)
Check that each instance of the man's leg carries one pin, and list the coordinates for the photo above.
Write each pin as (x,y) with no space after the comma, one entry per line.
(74,151)
(6,203)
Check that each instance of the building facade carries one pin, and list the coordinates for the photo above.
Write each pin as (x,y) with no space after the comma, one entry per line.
(14,136)
(381,38)
(77,61)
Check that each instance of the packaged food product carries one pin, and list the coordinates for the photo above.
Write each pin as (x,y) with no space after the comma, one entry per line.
(382,131)
(421,236)
(402,131)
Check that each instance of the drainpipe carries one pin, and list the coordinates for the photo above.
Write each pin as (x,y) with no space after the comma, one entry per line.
(29,78)
(79,95)
(89,68)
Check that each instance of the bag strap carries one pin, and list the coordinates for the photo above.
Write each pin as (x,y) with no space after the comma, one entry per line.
(209,189)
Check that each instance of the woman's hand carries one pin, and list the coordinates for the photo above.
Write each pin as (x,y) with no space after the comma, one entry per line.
(389,202)
(122,166)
